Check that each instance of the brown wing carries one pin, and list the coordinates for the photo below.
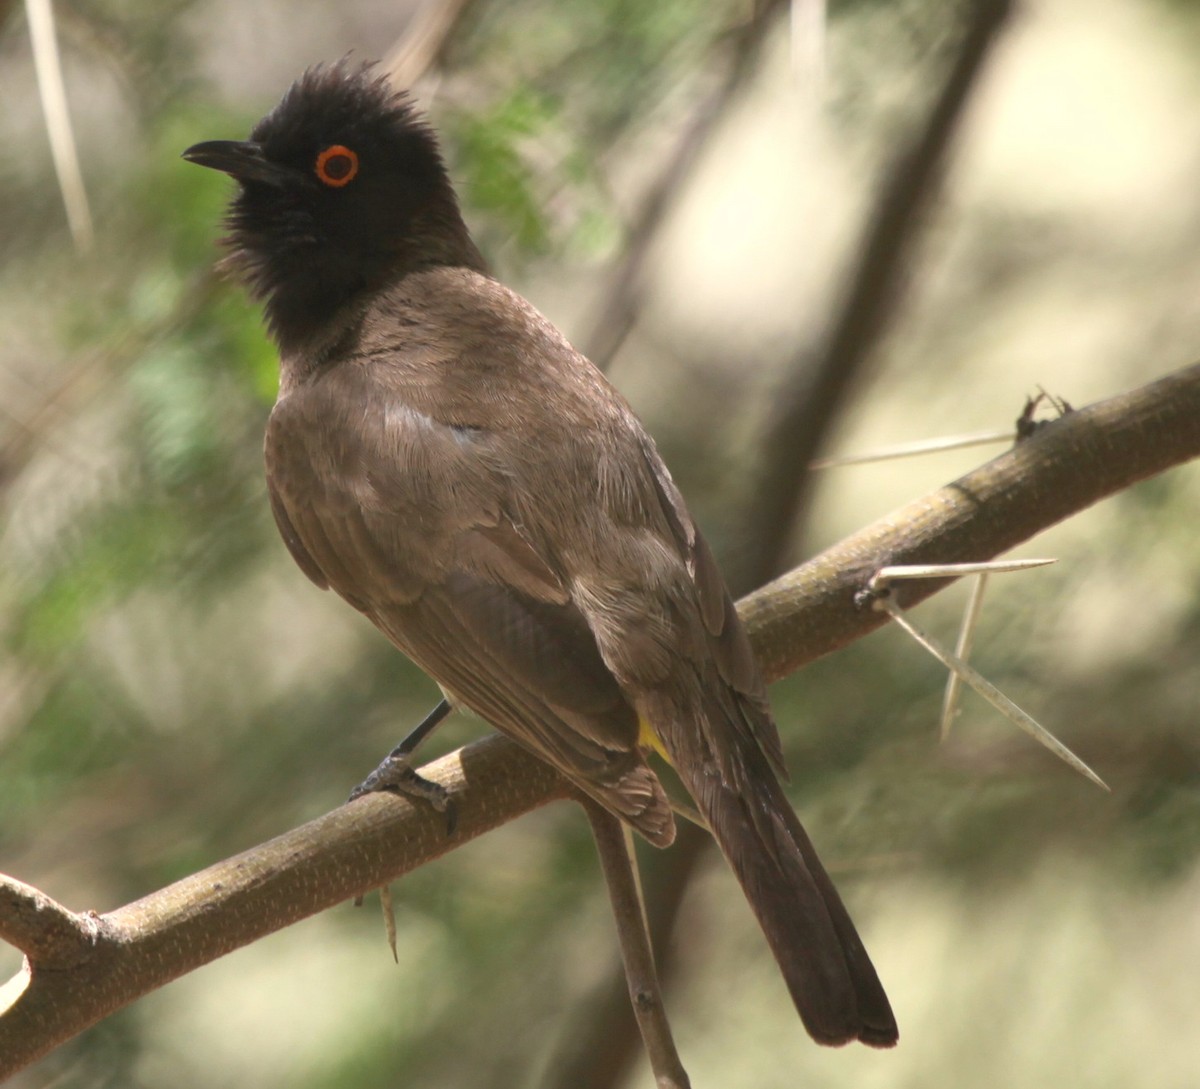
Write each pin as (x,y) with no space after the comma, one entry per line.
(531,669)
(292,539)
(436,562)
(727,643)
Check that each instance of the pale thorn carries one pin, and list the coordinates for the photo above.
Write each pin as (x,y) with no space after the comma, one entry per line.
(46,62)
(915,449)
(885,575)
(989,692)
(966,639)
(389,918)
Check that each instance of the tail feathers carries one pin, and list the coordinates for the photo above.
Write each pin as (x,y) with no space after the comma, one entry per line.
(633,792)
(831,979)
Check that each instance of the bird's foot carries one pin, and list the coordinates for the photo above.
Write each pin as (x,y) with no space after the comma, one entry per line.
(395,775)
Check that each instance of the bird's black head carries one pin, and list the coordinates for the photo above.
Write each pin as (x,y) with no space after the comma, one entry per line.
(342,191)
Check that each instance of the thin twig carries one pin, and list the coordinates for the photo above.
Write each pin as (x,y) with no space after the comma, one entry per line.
(615,847)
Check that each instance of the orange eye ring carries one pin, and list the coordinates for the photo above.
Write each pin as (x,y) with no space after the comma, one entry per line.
(336,166)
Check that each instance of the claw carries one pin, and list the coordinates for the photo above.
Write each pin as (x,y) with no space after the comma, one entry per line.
(396,776)
(395,772)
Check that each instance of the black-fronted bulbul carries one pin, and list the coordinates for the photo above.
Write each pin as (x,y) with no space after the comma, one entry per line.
(441,457)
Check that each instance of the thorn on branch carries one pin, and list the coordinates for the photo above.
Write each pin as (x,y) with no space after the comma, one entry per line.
(877,592)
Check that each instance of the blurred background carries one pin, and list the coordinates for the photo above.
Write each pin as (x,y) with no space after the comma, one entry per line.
(683,187)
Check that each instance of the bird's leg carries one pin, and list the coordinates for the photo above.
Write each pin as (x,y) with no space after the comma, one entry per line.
(395,772)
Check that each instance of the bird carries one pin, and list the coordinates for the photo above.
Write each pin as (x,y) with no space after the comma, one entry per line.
(443,459)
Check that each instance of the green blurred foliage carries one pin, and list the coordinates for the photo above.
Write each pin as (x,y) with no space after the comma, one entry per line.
(497,181)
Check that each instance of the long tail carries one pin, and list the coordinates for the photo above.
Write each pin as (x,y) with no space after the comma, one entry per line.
(827,970)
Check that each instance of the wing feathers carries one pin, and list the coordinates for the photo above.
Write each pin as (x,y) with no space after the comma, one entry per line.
(494,652)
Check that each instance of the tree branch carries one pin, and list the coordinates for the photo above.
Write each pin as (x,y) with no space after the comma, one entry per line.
(345,853)
(614,844)
(45,931)
(82,968)
(1065,467)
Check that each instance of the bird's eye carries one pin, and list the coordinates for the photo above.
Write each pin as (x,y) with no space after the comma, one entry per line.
(336,166)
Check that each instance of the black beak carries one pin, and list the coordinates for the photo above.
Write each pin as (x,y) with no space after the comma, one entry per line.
(244,161)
